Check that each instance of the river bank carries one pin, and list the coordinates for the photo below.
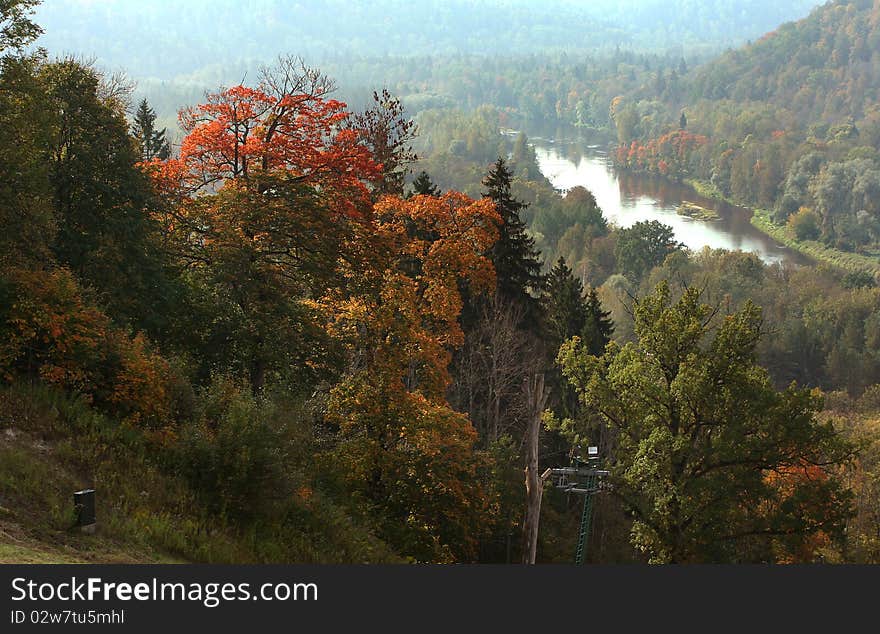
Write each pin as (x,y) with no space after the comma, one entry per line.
(627,197)
(813,249)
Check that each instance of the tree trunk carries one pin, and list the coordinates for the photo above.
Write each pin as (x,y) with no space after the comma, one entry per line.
(258,375)
(536,399)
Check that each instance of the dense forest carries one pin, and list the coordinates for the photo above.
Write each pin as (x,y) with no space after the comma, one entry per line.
(336,317)
(788,124)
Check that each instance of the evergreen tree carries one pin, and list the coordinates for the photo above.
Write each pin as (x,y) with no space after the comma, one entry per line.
(516,260)
(683,121)
(152,142)
(424,186)
(564,307)
(598,327)
(568,314)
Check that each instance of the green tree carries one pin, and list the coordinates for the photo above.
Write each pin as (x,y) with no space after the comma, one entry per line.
(423,185)
(712,462)
(102,201)
(152,142)
(569,314)
(643,246)
(517,262)
(16,28)
(598,327)
(26,212)
(564,307)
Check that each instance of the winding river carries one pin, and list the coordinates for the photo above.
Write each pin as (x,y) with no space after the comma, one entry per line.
(627,198)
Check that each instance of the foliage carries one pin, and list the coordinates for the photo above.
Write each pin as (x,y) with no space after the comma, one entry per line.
(101,200)
(51,331)
(402,447)
(387,134)
(152,142)
(643,246)
(714,464)
(16,28)
(804,224)
(517,263)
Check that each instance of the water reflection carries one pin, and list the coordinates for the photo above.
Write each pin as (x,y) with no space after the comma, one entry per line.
(627,198)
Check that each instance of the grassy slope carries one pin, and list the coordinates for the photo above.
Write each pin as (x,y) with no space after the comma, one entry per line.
(35,496)
(52,445)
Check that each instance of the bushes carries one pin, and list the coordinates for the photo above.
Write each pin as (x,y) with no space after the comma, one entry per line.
(58,443)
(805,224)
(52,331)
(234,453)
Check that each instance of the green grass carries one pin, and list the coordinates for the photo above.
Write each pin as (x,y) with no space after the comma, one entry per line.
(52,444)
(814,249)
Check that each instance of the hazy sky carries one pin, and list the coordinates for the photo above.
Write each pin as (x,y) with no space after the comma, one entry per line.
(169,38)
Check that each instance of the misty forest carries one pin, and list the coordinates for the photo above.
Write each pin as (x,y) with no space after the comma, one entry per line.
(440,282)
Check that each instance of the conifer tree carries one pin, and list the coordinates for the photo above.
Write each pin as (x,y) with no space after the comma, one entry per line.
(152,142)
(424,186)
(566,312)
(598,327)
(516,260)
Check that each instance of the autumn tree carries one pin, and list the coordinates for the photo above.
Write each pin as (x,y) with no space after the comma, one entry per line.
(701,438)
(490,369)
(270,185)
(402,449)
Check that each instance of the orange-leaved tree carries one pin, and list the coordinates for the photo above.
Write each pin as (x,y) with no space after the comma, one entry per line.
(50,330)
(402,449)
(269,185)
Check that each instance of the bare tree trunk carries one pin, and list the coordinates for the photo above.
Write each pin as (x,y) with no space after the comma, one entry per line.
(536,398)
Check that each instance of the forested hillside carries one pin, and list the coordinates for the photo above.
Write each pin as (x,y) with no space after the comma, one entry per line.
(295,329)
(788,124)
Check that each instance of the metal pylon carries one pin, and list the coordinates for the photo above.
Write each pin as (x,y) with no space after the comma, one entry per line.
(586,517)
(585,478)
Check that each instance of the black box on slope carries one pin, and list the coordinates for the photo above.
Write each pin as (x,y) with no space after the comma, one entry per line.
(84,503)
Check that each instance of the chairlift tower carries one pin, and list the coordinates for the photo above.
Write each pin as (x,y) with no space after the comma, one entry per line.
(583,477)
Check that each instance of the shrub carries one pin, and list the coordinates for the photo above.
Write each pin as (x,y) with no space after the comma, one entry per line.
(234,453)
(805,224)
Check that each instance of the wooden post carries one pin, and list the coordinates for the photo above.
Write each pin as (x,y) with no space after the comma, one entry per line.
(536,399)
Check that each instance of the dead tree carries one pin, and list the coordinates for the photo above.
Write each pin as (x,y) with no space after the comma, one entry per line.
(536,399)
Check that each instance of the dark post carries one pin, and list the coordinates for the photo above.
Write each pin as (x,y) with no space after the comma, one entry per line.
(84,503)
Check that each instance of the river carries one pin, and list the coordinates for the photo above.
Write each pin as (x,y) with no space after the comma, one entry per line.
(627,197)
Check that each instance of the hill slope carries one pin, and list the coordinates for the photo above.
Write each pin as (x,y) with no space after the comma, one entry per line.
(52,445)
(789,124)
